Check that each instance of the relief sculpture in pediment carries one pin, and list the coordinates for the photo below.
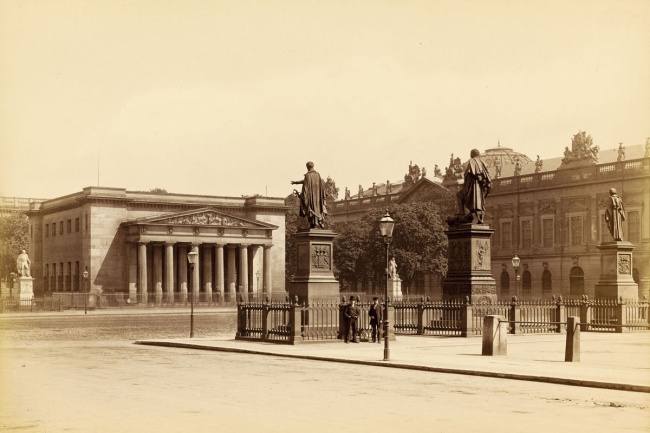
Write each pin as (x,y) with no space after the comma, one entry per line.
(205,218)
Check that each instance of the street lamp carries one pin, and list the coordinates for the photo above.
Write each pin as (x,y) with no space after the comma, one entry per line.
(515,265)
(85,275)
(191,259)
(386,225)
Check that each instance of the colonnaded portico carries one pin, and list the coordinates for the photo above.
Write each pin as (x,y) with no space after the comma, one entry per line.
(234,257)
(136,243)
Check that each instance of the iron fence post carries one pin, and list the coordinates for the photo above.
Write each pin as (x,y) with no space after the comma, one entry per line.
(514,314)
(621,316)
(420,307)
(585,313)
(560,314)
(295,334)
(265,320)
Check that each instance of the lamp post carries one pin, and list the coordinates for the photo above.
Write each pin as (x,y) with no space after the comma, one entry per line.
(515,265)
(386,225)
(191,259)
(85,275)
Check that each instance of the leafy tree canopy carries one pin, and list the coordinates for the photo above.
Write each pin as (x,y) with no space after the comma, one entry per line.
(418,243)
(14,230)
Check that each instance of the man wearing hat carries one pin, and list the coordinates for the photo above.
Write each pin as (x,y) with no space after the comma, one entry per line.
(351,316)
(376,314)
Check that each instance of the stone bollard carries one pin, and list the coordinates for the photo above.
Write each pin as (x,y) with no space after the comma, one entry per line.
(572,352)
(495,336)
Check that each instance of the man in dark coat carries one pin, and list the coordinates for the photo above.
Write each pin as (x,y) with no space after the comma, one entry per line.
(376,316)
(476,187)
(351,315)
(312,197)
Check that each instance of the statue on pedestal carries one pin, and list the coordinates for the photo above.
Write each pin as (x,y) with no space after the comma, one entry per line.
(312,197)
(615,215)
(392,269)
(23,264)
(476,187)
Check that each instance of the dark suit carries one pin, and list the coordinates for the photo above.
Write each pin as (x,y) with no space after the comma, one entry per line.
(351,315)
(376,316)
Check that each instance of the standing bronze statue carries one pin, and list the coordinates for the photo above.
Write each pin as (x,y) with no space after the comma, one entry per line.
(312,197)
(615,215)
(476,187)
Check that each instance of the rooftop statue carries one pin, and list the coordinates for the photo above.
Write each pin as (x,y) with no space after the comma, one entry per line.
(476,187)
(312,198)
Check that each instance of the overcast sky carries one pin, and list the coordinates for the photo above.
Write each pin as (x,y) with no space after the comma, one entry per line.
(230,98)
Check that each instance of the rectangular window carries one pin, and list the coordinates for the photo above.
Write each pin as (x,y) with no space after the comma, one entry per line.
(76,225)
(61,228)
(53,229)
(47,230)
(547,233)
(604,231)
(526,233)
(47,276)
(576,230)
(633,227)
(506,234)
(69,226)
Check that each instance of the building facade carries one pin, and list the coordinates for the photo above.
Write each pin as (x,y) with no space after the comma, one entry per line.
(550,213)
(137,243)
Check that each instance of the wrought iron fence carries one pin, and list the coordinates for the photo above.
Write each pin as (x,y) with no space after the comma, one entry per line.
(457,318)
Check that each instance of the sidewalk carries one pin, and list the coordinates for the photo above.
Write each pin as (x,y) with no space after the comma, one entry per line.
(609,361)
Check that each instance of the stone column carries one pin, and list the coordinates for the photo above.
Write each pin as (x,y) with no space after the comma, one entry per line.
(232,283)
(243,270)
(169,271)
(142,271)
(220,274)
(206,264)
(132,259)
(157,272)
(196,274)
(182,272)
(267,288)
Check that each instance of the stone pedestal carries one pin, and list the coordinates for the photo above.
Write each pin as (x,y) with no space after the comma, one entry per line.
(26,285)
(616,271)
(469,260)
(395,288)
(314,279)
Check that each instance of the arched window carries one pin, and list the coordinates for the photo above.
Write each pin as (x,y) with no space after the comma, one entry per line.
(526,282)
(577,281)
(547,285)
(505,283)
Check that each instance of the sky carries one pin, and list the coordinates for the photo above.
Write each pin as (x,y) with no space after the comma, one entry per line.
(232,98)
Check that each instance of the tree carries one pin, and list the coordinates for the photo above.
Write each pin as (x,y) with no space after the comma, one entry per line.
(14,237)
(418,244)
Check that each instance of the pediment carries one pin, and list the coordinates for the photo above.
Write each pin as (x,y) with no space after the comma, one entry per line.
(202,217)
(424,190)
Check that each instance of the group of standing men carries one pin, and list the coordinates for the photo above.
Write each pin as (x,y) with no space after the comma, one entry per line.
(352,313)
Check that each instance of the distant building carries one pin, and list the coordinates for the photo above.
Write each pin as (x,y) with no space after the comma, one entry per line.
(137,243)
(9,205)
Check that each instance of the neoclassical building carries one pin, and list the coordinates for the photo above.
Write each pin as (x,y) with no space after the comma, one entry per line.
(137,243)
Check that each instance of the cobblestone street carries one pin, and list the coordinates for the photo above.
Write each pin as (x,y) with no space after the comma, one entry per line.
(104,384)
